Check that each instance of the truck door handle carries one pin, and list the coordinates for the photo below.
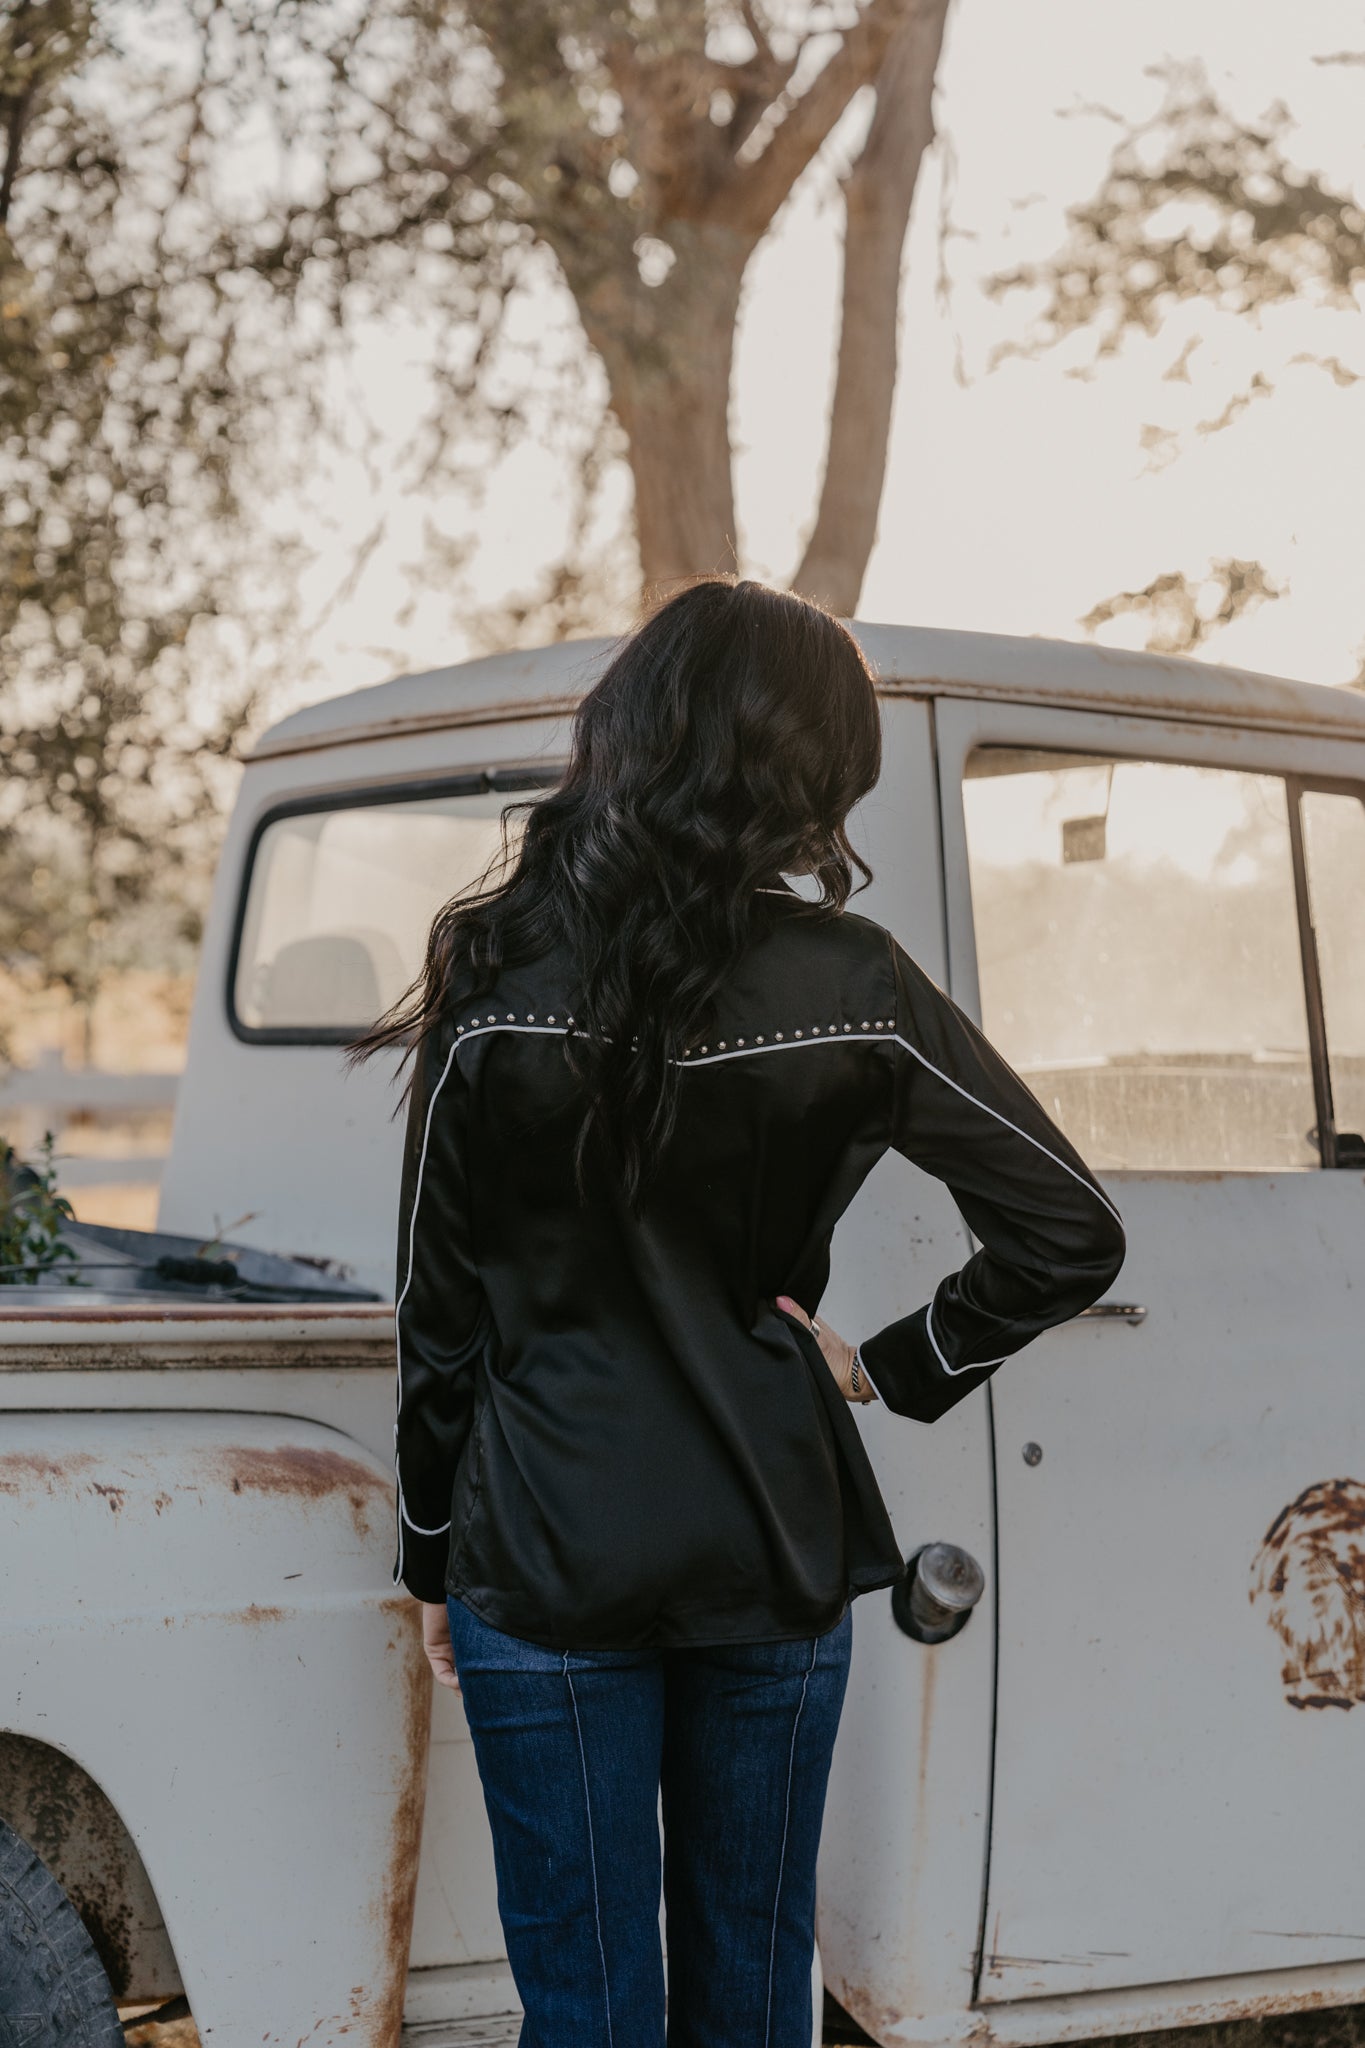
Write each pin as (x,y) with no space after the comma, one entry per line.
(1116,1311)
(934,1598)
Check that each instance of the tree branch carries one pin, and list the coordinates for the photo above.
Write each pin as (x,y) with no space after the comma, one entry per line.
(878,194)
(761,185)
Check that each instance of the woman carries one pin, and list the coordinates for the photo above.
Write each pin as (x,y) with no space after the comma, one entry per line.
(648,1078)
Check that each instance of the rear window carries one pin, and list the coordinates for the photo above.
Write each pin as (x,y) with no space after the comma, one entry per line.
(338,899)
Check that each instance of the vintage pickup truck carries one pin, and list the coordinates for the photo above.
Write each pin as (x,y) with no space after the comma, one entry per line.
(1126,1793)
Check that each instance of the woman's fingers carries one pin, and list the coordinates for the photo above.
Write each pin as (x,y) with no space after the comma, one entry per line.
(838,1353)
(436,1643)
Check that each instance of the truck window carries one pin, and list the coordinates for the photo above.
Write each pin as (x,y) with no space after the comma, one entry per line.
(1334,853)
(1139,956)
(338,900)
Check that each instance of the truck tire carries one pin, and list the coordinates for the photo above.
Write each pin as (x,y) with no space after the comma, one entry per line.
(52,1983)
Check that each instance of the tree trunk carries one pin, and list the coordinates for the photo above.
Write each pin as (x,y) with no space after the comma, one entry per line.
(878,193)
(669,354)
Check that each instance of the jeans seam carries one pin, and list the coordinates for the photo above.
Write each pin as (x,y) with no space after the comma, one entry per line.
(782,1852)
(592,1852)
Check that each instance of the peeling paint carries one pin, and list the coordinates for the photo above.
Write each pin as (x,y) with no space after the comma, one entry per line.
(1309,1579)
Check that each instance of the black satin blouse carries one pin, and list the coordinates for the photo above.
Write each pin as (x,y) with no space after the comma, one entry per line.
(607,1435)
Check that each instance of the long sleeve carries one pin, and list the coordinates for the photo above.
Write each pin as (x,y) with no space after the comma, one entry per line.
(440,1320)
(1050,1239)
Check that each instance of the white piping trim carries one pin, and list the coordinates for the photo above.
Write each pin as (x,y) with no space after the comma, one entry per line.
(792,1044)
(968,1097)
(416,1529)
(403,1515)
(789,1045)
(709,1060)
(782,1853)
(929,1326)
(592,1847)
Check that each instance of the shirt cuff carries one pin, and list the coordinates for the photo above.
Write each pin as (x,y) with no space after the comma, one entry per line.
(910,1373)
(421,1562)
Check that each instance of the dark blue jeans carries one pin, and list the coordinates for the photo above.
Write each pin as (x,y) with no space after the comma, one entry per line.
(574,1749)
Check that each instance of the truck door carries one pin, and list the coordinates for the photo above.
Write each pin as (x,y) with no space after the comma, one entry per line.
(1162,926)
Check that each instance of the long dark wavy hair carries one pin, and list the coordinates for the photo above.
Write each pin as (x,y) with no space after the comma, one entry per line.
(723,746)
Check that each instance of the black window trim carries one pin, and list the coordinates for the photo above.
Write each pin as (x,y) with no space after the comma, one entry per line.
(467,782)
(1338,1148)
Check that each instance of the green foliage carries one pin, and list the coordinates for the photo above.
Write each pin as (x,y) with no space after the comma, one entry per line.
(201,203)
(32,1216)
(124,410)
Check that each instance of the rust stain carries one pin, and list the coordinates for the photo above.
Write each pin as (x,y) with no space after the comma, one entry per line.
(70,1822)
(395,1906)
(884,2022)
(926,1718)
(305,1472)
(115,1495)
(254,1615)
(1309,1577)
(24,1471)
(876,2018)
(497,713)
(221,1312)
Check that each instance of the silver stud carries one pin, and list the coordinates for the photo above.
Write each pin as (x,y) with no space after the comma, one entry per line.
(550,1019)
(759,1039)
(739,1041)
(530,1016)
(777,1038)
(832,1029)
(459,1027)
(796,1034)
(720,1045)
(866,1024)
(492,1020)
(878,1026)
(705,1048)
(511,1018)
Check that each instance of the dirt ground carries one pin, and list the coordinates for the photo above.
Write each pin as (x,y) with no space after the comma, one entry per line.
(1341,2027)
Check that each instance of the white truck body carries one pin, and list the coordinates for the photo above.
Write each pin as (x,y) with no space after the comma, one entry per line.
(1125,1796)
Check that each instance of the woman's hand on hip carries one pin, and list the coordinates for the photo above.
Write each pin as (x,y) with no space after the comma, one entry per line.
(837,1350)
(436,1643)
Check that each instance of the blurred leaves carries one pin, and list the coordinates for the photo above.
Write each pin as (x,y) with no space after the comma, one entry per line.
(1196,204)
(206,206)
(1180,614)
(122,409)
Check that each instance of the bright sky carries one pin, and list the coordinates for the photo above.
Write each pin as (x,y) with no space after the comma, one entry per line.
(1018,498)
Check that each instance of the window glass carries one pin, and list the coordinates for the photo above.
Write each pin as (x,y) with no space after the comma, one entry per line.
(340,902)
(1138,952)
(1334,849)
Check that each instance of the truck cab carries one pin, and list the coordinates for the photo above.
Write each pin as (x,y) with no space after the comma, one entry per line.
(1118,1797)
